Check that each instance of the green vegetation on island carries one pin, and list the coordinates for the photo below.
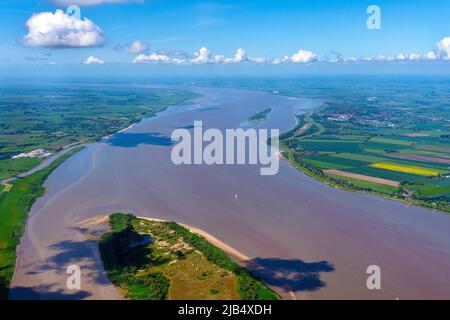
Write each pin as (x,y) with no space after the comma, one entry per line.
(261,116)
(16,199)
(155,260)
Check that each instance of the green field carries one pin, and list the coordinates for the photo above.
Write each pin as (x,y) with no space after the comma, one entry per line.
(14,207)
(53,117)
(432,189)
(360,184)
(369,134)
(12,167)
(161,268)
(329,146)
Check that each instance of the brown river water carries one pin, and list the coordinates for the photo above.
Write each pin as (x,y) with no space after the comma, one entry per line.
(303,236)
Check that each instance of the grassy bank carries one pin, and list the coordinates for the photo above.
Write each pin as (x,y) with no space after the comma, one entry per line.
(176,264)
(16,200)
(12,167)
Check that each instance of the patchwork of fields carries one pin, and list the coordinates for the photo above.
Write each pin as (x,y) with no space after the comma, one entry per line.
(358,163)
(391,143)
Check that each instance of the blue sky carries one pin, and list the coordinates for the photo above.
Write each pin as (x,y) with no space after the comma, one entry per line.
(280,36)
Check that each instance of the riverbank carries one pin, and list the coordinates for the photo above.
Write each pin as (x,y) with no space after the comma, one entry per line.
(313,151)
(85,114)
(15,203)
(348,187)
(41,165)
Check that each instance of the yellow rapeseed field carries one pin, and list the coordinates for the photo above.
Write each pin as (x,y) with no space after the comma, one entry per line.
(406,169)
(7,187)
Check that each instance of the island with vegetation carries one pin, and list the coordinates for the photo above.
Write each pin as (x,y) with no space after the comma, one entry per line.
(157,260)
(261,116)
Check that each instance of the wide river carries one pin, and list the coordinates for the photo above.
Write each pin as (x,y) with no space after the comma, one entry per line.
(304,237)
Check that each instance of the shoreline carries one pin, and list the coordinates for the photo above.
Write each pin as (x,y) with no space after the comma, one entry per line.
(34,196)
(414,203)
(47,161)
(237,256)
(43,164)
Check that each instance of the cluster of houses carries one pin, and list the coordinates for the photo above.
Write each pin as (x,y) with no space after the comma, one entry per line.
(39,153)
(340,117)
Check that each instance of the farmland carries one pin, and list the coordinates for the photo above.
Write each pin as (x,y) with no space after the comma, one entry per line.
(52,117)
(376,135)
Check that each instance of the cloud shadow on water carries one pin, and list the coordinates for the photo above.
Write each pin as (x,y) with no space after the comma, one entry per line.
(291,274)
(132,140)
(45,292)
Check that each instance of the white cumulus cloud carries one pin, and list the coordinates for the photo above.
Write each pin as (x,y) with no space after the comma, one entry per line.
(431,55)
(219,58)
(444,48)
(59,30)
(281,60)
(239,57)
(154,58)
(137,46)
(93,60)
(401,57)
(202,56)
(414,57)
(303,56)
